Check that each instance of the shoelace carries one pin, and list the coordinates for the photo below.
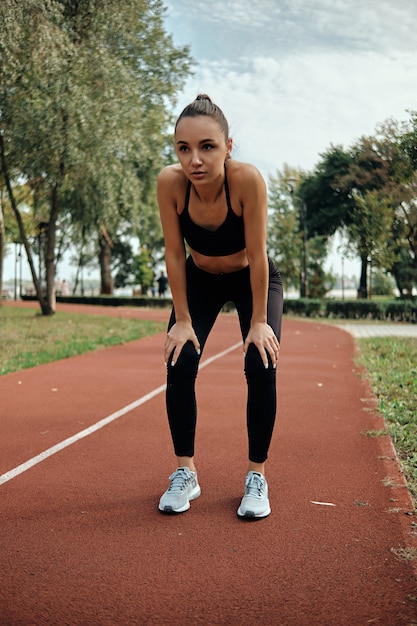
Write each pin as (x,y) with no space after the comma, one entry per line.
(255,486)
(179,481)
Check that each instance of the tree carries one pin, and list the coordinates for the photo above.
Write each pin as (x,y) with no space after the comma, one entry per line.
(370,221)
(353,191)
(143,272)
(85,92)
(284,240)
(319,281)
(378,182)
(407,210)
(327,202)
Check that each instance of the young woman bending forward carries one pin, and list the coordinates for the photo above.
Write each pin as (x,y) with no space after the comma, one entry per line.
(218,206)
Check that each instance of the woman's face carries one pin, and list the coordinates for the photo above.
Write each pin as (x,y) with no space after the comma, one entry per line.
(201,148)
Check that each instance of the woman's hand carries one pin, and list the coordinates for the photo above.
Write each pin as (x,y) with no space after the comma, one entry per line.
(262,335)
(179,334)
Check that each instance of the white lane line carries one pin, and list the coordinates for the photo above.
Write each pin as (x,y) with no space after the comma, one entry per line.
(4,478)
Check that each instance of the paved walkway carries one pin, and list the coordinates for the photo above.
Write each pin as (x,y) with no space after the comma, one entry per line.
(86,453)
(380,330)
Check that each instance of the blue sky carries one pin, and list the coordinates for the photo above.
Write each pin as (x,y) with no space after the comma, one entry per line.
(295,76)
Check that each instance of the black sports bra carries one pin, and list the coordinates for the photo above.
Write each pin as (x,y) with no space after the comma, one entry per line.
(228,238)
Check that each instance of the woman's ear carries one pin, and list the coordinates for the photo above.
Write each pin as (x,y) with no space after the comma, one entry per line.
(229,145)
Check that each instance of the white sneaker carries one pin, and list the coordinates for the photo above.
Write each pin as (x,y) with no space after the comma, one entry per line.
(255,503)
(183,488)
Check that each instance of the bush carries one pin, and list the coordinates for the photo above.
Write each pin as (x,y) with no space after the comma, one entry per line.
(354,309)
(401,311)
(395,310)
(303,307)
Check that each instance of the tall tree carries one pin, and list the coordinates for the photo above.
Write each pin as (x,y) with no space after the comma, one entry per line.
(284,234)
(407,210)
(85,92)
(327,202)
(377,184)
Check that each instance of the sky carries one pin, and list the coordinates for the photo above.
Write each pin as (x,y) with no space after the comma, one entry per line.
(295,77)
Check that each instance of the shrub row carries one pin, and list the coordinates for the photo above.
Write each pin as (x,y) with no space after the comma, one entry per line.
(398,310)
(140,301)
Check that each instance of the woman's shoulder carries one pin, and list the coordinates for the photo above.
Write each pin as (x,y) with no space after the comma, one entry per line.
(244,177)
(172,175)
(242,171)
(171,186)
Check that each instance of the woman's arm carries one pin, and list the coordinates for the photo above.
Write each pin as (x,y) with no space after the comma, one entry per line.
(169,181)
(255,210)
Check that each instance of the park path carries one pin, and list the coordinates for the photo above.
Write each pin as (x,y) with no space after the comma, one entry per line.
(83,544)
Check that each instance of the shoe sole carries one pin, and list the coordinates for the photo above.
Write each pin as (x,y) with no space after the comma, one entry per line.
(168,510)
(252,516)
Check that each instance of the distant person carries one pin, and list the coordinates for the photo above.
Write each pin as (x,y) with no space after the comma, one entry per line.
(219,207)
(162,285)
(64,288)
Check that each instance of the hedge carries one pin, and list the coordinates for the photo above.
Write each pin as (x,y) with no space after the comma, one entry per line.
(397,310)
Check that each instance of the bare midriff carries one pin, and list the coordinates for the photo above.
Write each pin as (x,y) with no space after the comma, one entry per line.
(220,264)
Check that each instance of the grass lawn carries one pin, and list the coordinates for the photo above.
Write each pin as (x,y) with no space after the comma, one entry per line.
(391,363)
(28,338)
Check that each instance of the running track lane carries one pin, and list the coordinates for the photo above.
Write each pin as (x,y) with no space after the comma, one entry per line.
(82,542)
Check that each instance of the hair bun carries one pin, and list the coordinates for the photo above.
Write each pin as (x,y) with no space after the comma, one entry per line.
(203,96)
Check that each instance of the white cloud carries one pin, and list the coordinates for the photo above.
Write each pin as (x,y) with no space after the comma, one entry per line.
(293,109)
(294,77)
(243,28)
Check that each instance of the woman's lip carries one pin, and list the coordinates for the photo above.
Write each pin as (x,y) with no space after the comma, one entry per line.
(197,174)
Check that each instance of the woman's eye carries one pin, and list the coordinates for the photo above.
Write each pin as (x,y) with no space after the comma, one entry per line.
(208,146)
(183,148)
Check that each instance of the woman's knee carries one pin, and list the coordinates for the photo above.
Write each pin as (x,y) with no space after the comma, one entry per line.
(186,363)
(254,366)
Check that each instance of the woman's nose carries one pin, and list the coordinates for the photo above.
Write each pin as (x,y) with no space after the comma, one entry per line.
(195,157)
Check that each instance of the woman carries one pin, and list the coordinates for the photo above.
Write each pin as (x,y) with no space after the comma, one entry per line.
(219,207)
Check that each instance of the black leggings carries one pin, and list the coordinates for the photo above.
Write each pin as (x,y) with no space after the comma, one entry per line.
(207,293)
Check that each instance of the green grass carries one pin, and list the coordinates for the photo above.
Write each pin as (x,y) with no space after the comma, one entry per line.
(391,363)
(28,338)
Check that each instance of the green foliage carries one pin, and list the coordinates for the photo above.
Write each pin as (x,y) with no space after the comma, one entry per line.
(369,193)
(408,140)
(287,242)
(327,202)
(382,284)
(29,339)
(355,309)
(391,363)
(142,269)
(85,95)
(304,307)
(284,236)
(398,310)
(404,270)
(319,281)
(401,311)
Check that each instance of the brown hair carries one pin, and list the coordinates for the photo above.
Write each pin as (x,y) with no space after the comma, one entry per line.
(203,105)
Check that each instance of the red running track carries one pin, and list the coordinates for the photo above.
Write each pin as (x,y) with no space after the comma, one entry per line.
(83,544)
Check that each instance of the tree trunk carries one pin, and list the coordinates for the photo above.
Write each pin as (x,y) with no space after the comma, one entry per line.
(363,284)
(22,233)
(50,252)
(105,271)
